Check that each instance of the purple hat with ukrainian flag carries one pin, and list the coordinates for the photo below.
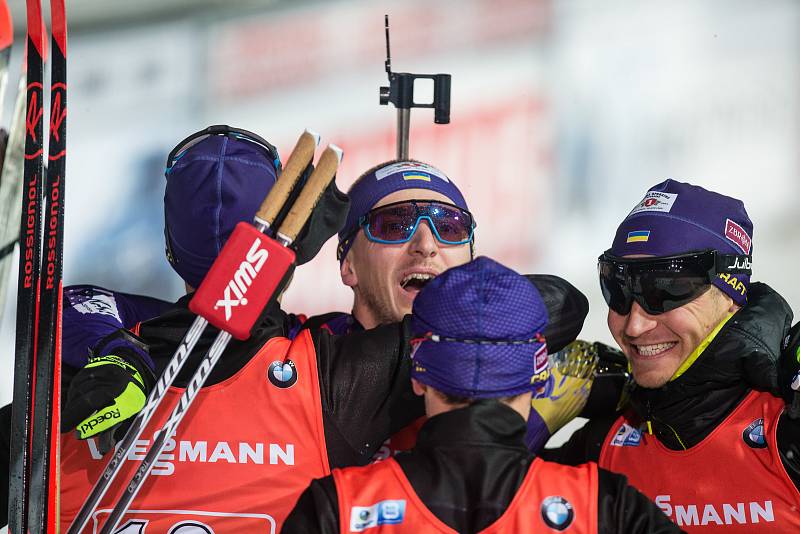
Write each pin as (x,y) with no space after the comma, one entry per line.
(385,179)
(478,332)
(676,218)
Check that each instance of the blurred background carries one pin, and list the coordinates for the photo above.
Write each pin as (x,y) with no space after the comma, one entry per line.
(563,114)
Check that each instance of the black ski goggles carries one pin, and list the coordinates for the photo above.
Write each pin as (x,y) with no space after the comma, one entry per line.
(661,284)
(221,129)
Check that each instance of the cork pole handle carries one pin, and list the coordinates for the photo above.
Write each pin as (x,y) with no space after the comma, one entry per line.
(299,159)
(320,179)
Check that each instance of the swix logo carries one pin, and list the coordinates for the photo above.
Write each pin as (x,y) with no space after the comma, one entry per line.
(206,452)
(741,265)
(242,279)
(716,514)
(34,114)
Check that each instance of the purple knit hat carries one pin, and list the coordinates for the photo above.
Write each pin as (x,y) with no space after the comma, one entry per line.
(213,185)
(384,180)
(677,218)
(478,332)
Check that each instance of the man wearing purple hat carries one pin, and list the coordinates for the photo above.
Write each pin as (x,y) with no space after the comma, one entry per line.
(478,337)
(407,223)
(706,435)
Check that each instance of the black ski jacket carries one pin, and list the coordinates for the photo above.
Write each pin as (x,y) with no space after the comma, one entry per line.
(743,356)
(466,467)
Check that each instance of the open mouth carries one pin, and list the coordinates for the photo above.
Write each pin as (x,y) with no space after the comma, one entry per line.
(416,281)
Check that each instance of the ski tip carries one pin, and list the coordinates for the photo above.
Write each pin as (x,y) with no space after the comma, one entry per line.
(315,135)
(6,26)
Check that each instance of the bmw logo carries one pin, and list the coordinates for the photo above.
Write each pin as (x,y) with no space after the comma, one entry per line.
(282,373)
(753,435)
(557,513)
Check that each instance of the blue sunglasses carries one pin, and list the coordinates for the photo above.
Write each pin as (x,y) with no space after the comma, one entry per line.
(397,222)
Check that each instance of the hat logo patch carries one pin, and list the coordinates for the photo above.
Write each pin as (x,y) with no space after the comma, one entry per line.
(655,201)
(540,360)
(410,171)
(639,236)
(737,235)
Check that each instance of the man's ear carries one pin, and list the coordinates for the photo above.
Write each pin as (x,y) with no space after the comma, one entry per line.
(418,387)
(347,272)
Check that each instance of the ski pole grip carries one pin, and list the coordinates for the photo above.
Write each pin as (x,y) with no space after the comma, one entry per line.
(320,179)
(301,156)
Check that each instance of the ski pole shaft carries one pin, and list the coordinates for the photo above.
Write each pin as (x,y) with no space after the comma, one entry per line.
(287,233)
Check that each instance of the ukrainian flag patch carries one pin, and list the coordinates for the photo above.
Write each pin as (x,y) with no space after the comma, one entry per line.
(638,236)
(416,176)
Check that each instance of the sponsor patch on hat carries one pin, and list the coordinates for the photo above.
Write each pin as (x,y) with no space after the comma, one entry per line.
(409,171)
(639,236)
(655,201)
(738,236)
(540,360)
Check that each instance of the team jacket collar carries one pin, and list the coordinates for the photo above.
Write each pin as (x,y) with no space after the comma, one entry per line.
(484,421)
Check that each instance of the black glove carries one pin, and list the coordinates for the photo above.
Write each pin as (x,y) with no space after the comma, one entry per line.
(612,383)
(789,372)
(326,220)
(107,392)
(567,308)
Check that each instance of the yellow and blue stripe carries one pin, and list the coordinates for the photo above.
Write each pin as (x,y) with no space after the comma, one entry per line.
(416,176)
(639,236)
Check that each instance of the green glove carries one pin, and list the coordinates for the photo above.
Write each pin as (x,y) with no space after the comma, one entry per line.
(107,392)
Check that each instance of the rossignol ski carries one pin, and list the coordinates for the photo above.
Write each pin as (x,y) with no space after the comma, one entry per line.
(34,476)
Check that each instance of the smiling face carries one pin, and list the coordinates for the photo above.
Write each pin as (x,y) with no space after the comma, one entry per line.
(657,345)
(386,278)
